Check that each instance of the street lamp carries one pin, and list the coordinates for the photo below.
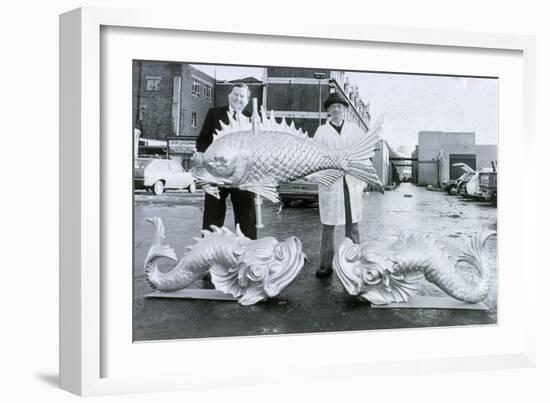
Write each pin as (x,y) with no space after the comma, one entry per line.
(319,76)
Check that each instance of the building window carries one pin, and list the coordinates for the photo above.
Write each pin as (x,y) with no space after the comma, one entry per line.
(196,87)
(207,92)
(194,119)
(153,83)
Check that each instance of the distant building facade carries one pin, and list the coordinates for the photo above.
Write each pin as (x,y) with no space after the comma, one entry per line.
(438,151)
(381,162)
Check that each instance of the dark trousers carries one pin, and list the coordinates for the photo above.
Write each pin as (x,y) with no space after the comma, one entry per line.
(327,237)
(243,208)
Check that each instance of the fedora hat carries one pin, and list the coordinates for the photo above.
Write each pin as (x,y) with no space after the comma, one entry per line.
(335,98)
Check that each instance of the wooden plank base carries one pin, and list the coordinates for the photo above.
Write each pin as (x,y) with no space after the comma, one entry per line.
(193,293)
(422,302)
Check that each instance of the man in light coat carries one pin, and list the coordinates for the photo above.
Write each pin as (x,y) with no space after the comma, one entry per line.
(341,203)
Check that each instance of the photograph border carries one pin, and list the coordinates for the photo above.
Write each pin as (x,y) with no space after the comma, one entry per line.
(81,244)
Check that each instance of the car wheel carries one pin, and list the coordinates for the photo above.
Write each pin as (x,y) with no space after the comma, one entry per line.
(287,201)
(158,188)
(192,187)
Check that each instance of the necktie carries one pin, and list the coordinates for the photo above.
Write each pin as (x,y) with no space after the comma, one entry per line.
(234,115)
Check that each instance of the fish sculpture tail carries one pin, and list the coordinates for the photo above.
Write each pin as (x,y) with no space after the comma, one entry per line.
(195,263)
(359,157)
(454,284)
(157,251)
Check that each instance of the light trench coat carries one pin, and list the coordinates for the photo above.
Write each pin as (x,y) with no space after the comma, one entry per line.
(331,200)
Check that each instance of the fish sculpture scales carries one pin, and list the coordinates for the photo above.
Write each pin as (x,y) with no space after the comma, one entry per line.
(251,270)
(386,275)
(259,160)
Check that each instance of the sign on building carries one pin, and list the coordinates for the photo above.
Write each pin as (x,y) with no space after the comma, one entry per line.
(181,149)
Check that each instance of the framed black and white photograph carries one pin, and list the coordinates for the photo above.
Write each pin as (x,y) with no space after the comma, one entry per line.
(425,202)
(246,206)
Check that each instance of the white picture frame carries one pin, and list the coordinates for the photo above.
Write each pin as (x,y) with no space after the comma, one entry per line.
(82,247)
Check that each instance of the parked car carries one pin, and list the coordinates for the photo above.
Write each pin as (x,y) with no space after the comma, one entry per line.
(458,186)
(156,175)
(301,189)
(455,186)
(488,186)
(482,185)
(450,185)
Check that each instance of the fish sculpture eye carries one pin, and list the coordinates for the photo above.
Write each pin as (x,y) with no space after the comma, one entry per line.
(372,277)
(220,165)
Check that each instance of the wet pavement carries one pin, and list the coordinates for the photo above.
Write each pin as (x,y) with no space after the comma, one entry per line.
(308,304)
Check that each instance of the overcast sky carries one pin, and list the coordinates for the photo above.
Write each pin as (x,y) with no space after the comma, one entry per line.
(412,103)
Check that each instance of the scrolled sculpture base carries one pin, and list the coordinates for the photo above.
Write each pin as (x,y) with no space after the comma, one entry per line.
(424,302)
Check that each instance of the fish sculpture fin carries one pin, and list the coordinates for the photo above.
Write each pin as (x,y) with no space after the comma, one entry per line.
(236,125)
(326,177)
(226,280)
(212,190)
(398,289)
(270,124)
(266,188)
(474,258)
(377,125)
(238,231)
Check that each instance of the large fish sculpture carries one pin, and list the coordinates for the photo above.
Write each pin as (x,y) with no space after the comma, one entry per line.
(259,158)
(384,275)
(250,270)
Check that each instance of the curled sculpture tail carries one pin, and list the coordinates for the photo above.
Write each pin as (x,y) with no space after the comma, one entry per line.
(157,251)
(359,163)
(453,282)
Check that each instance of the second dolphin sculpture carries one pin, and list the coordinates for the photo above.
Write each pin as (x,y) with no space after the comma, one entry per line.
(251,270)
(384,275)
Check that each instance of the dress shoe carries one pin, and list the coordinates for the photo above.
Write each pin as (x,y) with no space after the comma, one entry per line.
(323,272)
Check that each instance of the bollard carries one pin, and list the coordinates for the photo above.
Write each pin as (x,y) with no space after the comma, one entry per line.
(255,120)
(258,204)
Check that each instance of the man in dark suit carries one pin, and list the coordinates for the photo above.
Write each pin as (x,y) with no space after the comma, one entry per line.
(243,201)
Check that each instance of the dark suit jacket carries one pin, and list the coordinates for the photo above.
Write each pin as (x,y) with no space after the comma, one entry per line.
(211,124)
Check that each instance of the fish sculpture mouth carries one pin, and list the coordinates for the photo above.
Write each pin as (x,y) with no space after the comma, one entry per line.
(203,177)
(209,183)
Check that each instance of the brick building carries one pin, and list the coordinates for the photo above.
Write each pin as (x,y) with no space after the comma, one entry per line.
(171,100)
(297,94)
